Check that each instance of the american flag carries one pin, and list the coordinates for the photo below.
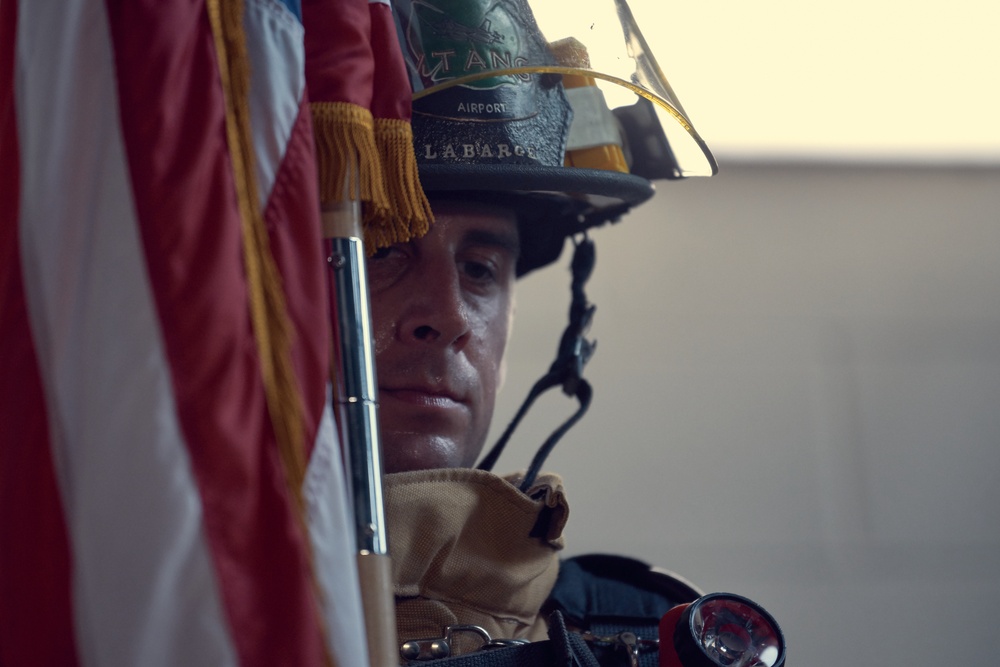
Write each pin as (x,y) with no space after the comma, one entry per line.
(164,343)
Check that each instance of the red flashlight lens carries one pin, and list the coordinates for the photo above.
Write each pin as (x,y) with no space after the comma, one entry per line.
(734,633)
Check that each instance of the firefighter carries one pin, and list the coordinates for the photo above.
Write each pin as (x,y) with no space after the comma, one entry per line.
(518,149)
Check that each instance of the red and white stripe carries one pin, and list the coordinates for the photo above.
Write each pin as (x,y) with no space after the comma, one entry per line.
(144,518)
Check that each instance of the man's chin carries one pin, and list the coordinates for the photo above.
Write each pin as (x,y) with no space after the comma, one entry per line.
(404,452)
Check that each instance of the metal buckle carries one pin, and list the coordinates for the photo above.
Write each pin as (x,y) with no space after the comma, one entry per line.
(433,648)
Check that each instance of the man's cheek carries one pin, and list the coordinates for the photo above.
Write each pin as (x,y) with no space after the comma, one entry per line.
(501,374)
(382,336)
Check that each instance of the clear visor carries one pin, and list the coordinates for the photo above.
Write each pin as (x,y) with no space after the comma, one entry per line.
(596,45)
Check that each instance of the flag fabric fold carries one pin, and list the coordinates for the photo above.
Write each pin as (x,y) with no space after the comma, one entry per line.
(170,485)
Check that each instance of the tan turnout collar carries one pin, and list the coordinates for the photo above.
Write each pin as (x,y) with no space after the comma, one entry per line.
(469,548)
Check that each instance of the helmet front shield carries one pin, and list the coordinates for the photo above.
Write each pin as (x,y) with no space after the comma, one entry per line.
(594,47)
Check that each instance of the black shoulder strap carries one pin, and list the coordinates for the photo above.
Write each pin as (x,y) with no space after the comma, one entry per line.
(605,586)
(609,595)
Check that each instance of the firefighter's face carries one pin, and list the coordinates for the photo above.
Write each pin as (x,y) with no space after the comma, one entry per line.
(441,310)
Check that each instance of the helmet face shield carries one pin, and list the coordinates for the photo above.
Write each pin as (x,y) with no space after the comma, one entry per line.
(543,100)
(505,47)
(634,86)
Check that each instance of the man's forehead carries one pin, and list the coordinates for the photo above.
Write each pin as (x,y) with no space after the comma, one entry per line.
(478,223)
(473,210)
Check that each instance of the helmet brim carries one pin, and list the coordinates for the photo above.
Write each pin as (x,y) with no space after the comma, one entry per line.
(551,202)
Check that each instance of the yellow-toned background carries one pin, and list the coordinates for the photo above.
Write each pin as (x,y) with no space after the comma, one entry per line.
(902,78)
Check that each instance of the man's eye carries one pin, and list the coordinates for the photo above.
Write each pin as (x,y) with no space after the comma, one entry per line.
(479,271)
(387,265)
(389,255)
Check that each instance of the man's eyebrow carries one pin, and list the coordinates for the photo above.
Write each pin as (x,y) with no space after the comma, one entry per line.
(504,240)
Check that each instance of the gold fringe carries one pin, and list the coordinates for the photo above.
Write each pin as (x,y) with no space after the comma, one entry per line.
(408,212)
(348,158)
(268,312)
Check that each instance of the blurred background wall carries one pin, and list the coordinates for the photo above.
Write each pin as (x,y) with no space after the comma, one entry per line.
(797,398)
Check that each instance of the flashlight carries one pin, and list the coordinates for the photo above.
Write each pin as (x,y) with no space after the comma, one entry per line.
(720,630)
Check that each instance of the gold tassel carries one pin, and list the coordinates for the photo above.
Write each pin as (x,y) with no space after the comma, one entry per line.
(408,212)
(348,159)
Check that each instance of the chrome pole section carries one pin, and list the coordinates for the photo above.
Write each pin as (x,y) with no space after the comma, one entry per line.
(356,397)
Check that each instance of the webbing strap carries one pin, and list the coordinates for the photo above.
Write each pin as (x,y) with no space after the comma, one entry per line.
(562,649)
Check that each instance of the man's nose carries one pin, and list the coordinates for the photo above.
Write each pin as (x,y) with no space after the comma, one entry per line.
(439,314)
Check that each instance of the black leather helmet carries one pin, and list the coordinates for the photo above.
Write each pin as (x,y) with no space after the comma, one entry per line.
(519,102)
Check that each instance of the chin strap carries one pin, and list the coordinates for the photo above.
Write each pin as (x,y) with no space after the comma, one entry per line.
(567,370)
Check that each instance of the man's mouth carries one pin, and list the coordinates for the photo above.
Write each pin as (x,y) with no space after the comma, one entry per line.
(420,395)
